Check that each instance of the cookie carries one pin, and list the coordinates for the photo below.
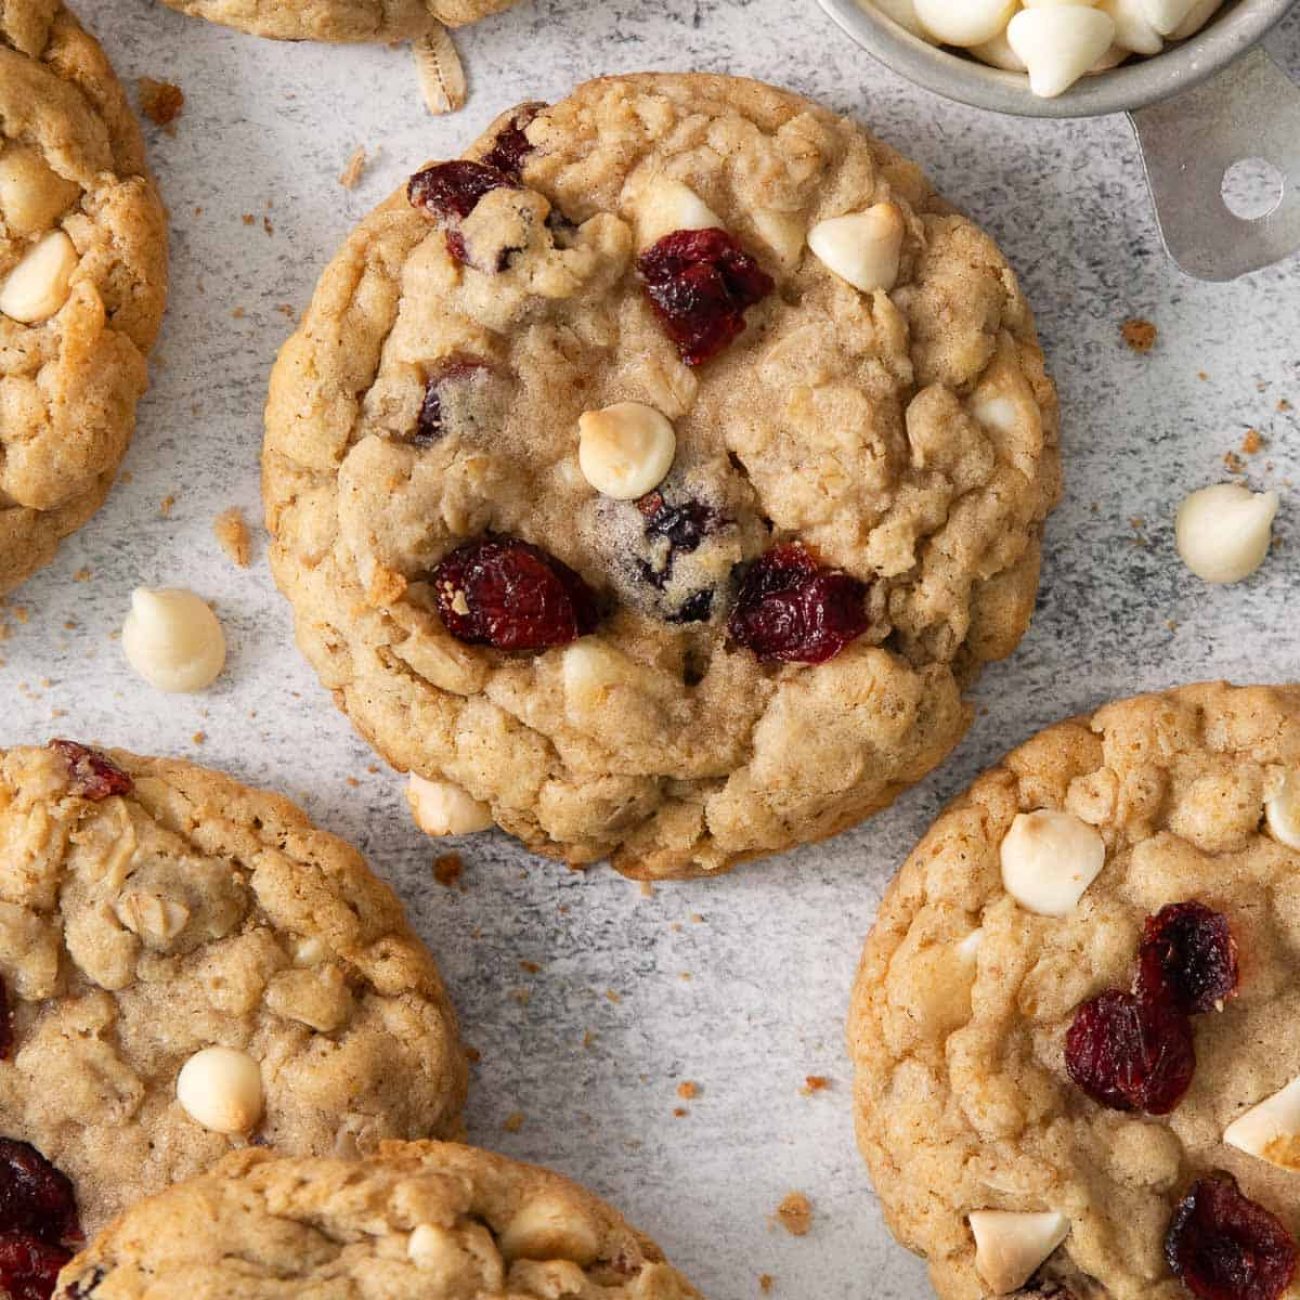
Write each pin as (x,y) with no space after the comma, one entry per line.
(601,494)
(83,280)
(430,1220)
(340,20)
(191,966)
(1078,1013)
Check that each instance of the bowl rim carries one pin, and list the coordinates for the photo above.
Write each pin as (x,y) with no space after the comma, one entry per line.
(1123,89)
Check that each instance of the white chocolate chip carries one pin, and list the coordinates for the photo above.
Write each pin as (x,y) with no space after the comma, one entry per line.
(1049,859)
(548,1228)
(968,948)
(221,1088)
(862,247)
(965,22)
(432,1249)
(1271,1129)
(1059,43)
(1010,1247)
(39,285)
(440,808)
(667,205)
(1224,532)
(1282,811)
(1165,15)
(1111,59)
(1197,16)
(998,54)
(1133,30)
(625,450)
(32,195)
(590,670)
(173,640)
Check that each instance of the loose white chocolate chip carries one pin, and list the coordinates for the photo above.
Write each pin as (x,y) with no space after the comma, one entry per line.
(1059,43)
(440,808)
(1133,30)
(862,247)
(625,450)
(967,22)
(1270,1130)
(550,1229)
(1010,1247)
(668,205)
(39,285)
(1282,811)
(1224,532)
(1049,859)
(173,640)
(32,195)
(221,1088)
(1165,15)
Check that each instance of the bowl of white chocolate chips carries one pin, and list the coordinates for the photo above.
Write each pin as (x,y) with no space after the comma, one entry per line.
(1202,93)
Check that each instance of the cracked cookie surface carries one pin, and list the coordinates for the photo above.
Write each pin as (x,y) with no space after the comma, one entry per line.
(890,454)
(83,270)
(430,1220)
(150,909)
(966,1092)
(340,20)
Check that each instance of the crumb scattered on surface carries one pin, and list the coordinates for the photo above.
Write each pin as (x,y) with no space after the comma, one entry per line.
(514,1122)
(530,967)
(588,1040)
(81,575)
(1253,442)
(1234,463)
(473,1055)
(1202,375)
(160,101)
(680,1112)
(814,1084)
(354,168)
(352,781)
(1283,405)
(795,1214)
(765,1282)
(165,506)
(1139,334)
(199,737)
(249,218)
(687,1090)
(448,869)
(613,997)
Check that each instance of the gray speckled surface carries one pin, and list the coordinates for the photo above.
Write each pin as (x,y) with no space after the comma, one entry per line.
(738,984)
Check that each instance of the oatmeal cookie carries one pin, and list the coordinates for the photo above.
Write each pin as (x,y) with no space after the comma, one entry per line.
(341,20)
(430,1220)
(191,966)
(1078,1015)
(83,279)
(603,495)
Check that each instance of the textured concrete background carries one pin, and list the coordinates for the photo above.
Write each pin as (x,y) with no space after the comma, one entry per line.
(739,984)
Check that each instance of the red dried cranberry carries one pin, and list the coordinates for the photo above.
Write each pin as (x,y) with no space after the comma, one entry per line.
(1189,955)
(29,1267)
(1131,1053)
(453,189)
(454,370)
(512,146)
(6,1023)
(700,282)
(685,526)
(93,775)
(790,608)
(35,1198)
(1224,1246)
(511,596)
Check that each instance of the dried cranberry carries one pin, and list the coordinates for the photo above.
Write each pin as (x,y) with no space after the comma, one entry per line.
(1188,954)
(6,1023)
(1131,1053)
(453,189)
(29,1267)
(508,594)
(454,370)
(790,608)
(685,526)
(700,282)
(1224,1246)
(512,146)
(38,1222)
(93,775)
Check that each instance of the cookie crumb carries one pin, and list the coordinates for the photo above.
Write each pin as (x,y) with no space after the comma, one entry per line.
(588,1040)
(795,1214)
(352,782)
(81,575)
(687,1090)
(249,219)
(161,102)
(613,997)
(353,169)
(199,737)
(530,967)
(1253,442)
(448,868)
(680,1112)
(1139,334)
(765,1282)
(165,506)
(1283,405)
(233,537)
(473,1055)
(514,1122)
(1234,463)
(814,1084)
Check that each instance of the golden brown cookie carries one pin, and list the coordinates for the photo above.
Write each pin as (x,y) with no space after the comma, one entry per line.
(1078,1014)
(340,20)
(602,495)
(83,279)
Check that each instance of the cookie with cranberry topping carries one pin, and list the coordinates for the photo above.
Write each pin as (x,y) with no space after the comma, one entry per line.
(189,967)
(83,273)
(340,20)
(418,1221)
(1076,1026)
(660,474)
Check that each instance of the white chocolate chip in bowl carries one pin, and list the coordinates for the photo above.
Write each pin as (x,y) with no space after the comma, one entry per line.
(1059,43)
(221,1088)
(997,53)
(964,23)
(625,450)
(1166,15)
(1282,811)
(1270,1129)
(1049,859)
(1197,16)
(173,640)
(666,205)
(441,808)
(1010,1247)
(1223,532)
(862,247)
(1133,30)
(39,285)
